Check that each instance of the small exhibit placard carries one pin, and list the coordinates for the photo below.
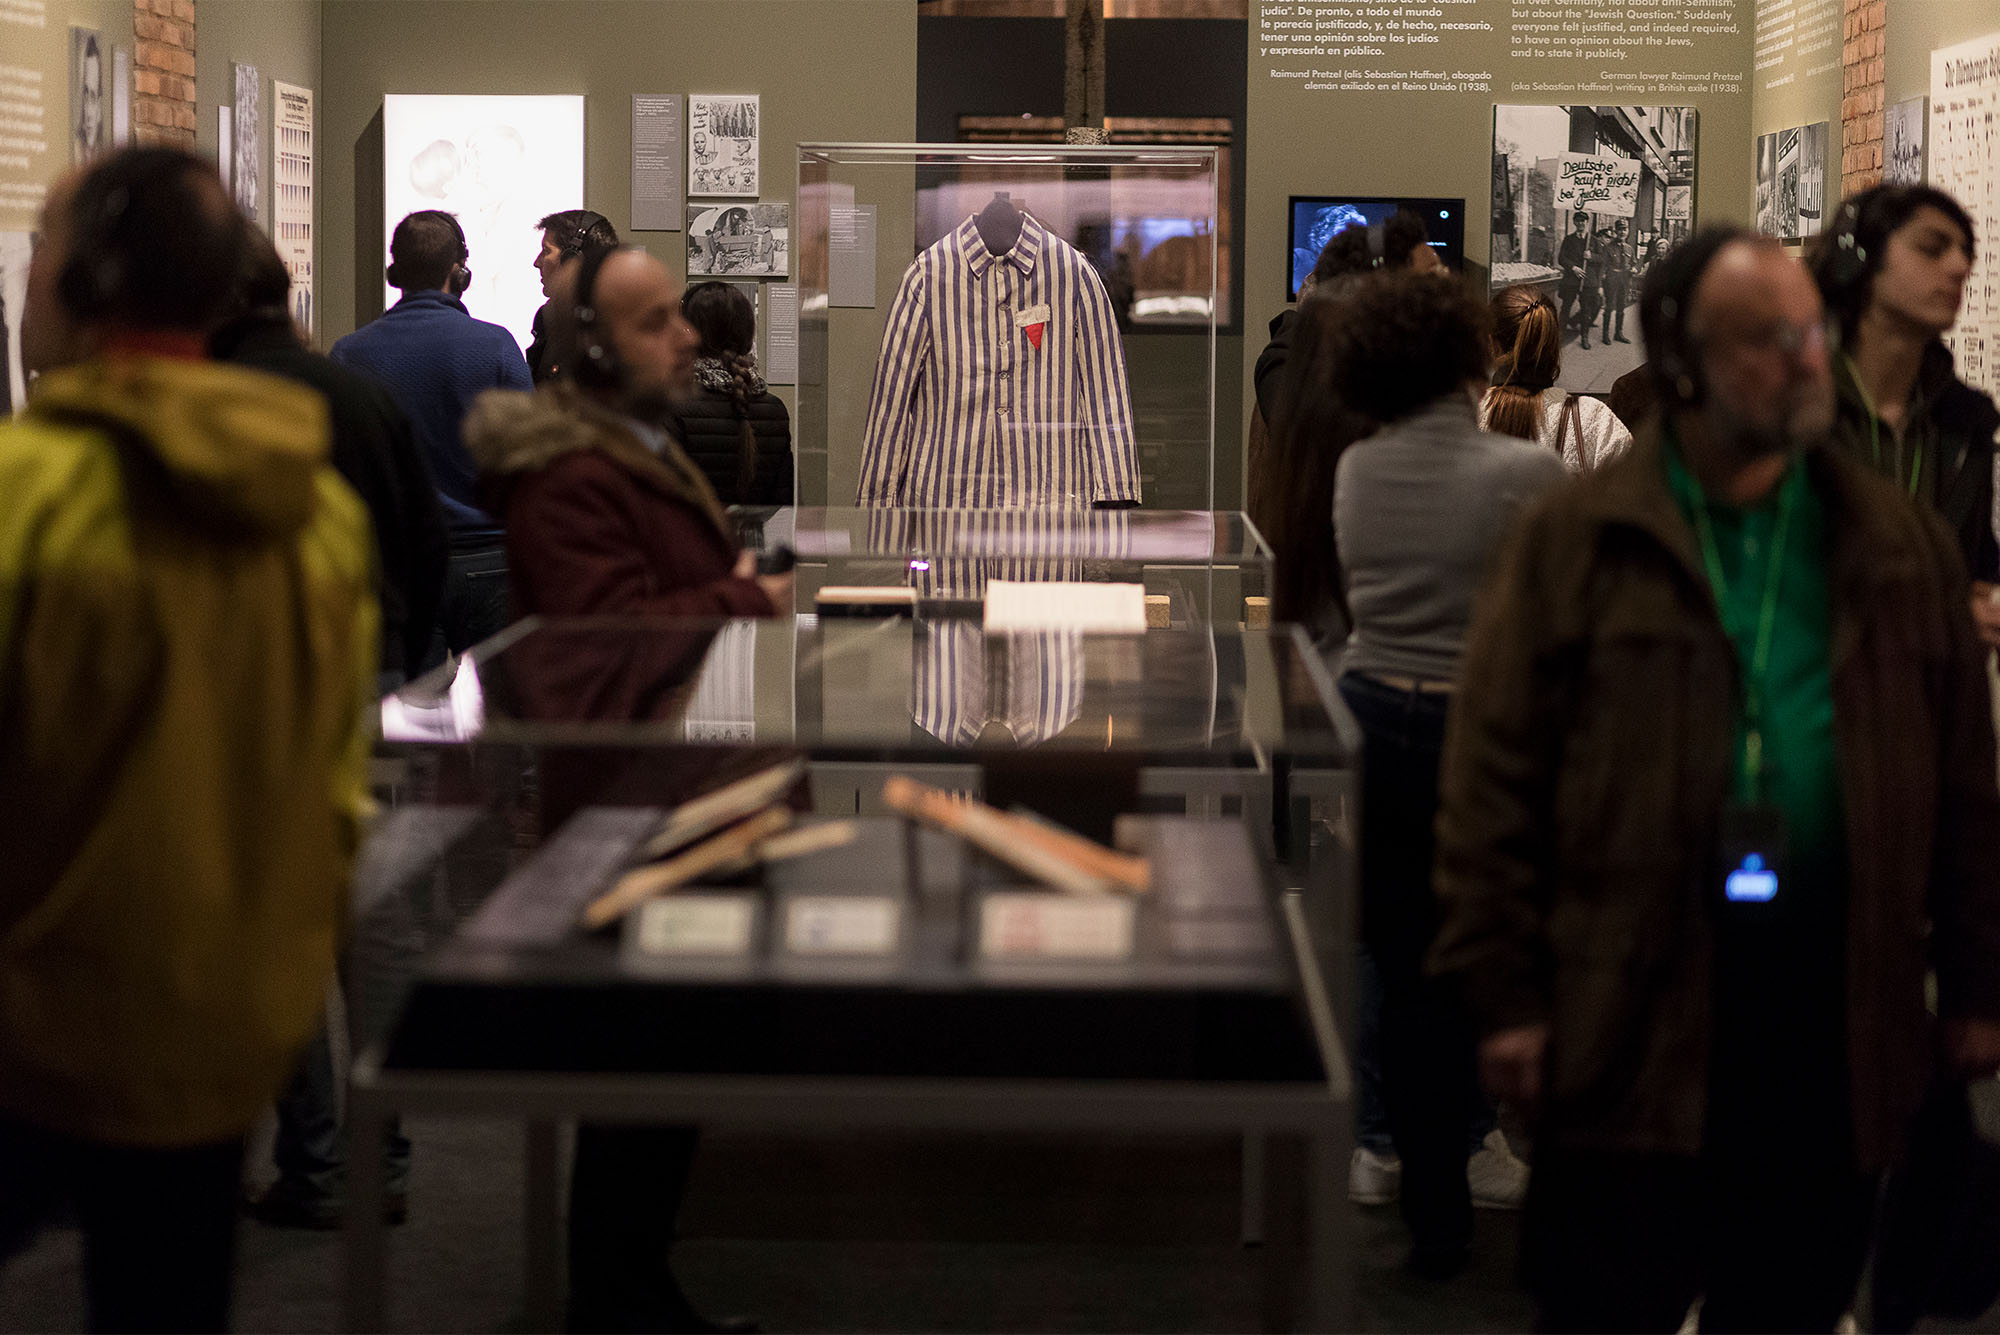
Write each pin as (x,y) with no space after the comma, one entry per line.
(1036,926)
(697,925)
(842,924)
(850,255)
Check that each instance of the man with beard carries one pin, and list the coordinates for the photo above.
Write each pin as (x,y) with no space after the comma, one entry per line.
(1717,793)
(605,513)
(607,516)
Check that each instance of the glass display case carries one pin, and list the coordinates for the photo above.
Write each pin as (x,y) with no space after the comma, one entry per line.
(933,687)
(1196,566)
(824,953)
(1006,325)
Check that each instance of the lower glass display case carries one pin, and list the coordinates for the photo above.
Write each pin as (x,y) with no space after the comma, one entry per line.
(878,871)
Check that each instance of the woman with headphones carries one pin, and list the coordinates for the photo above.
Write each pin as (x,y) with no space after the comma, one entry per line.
(1892,273)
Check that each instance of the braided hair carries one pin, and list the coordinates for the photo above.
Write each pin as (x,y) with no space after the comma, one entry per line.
(723,317)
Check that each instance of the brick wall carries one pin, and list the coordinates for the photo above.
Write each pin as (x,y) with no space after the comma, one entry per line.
(1861,100)
(163,71)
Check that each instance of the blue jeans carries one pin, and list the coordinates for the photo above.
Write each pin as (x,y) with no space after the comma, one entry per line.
(1371,1129)
(310,1150)
(474,607)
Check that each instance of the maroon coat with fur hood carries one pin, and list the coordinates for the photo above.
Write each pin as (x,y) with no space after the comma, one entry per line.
(597,523)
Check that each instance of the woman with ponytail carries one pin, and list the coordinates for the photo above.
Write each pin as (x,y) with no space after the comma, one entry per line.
(734,427)
(1524,400)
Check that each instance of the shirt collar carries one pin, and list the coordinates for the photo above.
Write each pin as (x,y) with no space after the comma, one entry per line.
(1023,256)
(432,296)
(1689,493)
(650,434)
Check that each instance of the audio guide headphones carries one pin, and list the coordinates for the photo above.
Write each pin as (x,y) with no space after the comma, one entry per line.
(580,234)
(459,280)
(596,362)
(1677,367)
(1846,265)
(94,273)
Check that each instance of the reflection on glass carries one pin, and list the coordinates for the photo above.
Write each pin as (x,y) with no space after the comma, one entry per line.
(898,689)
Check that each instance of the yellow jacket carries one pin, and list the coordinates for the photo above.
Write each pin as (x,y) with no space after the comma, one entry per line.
(187,645)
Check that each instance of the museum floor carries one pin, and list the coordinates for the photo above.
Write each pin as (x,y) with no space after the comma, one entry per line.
(903,1234)
(847,1235)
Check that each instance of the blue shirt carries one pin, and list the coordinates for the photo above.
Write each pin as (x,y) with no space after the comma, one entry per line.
(435,359)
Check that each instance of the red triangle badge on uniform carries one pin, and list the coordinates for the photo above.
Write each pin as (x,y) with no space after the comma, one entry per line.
(1034,332)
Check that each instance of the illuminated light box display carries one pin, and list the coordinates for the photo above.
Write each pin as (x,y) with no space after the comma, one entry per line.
(500,163)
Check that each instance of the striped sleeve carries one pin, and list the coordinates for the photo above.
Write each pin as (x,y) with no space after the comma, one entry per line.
(1111,458)
(890,434)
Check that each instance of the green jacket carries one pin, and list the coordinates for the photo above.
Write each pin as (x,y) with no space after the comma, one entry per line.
(1587,761)
(187,646)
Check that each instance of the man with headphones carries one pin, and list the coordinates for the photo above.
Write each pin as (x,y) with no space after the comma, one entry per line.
(607,516)
(1893,271)
(566,236)
(435,359)
(187,649)
(1718,794)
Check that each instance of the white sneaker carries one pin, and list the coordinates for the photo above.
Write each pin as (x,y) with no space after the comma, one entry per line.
(1499,1181)
(1374,1179)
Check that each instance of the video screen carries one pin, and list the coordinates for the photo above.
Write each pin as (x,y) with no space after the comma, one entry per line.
(1317,219)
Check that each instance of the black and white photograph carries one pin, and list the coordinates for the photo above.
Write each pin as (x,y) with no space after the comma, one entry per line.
(121,96)
(89,101)
(1777,190)
(1812,181)
(1791,182)
(1903,143)
(1585,201)
(722,145)
(739,240)
(246,177)
(16,249)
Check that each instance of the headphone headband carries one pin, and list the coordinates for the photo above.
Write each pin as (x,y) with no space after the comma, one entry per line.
(589,219)
(96,268)
(597,360)
(459,279)
(1847,257)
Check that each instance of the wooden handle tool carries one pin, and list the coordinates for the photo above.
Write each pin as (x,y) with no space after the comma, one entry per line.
(641,884)
(710,812)
(1126,870)
(995,833)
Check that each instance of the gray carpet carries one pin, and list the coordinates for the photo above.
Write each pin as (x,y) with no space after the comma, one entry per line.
(850,1234)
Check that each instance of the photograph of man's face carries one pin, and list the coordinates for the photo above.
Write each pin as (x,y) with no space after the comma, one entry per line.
(87,93)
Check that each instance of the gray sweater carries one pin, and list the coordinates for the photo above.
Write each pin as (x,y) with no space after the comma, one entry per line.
(1419,509)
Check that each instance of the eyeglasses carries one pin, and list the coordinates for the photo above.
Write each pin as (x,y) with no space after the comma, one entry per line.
(1789,337)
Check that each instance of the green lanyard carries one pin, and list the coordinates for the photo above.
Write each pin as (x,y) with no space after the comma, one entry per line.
(1767,620)
(1875,432)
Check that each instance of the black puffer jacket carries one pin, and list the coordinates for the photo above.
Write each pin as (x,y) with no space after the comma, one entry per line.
(710,428)
(1950,428)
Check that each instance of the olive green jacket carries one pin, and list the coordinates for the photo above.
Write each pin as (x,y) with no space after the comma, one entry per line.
(187,646)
